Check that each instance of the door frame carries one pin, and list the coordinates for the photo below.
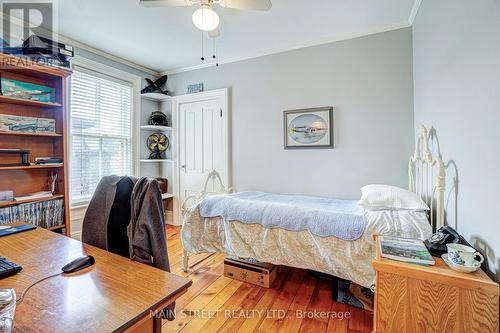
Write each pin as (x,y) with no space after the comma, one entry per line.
(177,101)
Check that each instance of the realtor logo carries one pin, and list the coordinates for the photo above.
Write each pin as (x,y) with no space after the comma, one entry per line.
(29,34)
(22,19)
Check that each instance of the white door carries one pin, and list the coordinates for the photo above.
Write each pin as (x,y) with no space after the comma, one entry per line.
(203,143)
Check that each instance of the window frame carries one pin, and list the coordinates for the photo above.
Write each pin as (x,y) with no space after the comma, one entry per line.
(120,76)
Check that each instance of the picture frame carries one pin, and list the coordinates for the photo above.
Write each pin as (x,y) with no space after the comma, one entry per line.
(26,90)
(23,124)
(195,88)
(311,128)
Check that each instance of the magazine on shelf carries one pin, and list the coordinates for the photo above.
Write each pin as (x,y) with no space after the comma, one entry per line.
(406,250)
(37,195)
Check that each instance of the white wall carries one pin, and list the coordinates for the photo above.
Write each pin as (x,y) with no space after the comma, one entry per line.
(457,90)
(368,80)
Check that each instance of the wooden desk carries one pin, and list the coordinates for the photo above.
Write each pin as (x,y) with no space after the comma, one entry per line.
(415,298)
(114,295)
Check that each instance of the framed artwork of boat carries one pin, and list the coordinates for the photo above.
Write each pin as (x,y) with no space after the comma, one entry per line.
(309,128)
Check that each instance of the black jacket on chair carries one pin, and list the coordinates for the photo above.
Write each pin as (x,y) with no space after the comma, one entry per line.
(119,218)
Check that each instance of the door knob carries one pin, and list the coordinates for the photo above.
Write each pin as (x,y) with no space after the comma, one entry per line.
(183,167)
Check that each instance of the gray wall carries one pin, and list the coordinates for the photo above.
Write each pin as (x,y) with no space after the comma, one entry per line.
(368,80)
(457,90)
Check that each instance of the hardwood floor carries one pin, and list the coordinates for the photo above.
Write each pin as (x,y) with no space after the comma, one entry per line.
(297,302)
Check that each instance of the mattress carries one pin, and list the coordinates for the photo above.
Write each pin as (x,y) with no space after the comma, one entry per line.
(349,260)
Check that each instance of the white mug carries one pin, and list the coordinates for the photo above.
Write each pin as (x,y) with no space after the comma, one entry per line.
(463,254)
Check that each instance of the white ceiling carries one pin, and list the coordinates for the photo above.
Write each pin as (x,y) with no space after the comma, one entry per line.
(164,39)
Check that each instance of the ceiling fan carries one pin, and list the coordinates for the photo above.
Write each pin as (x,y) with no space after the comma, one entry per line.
(205,18)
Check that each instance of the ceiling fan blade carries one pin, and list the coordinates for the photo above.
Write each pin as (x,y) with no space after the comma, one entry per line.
(263,5)
(166,3)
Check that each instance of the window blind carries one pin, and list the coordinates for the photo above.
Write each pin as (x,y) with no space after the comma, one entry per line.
(101,139)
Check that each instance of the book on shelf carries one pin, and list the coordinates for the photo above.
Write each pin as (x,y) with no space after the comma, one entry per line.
(47,164)
(45,214)
(41,160)
(405,249)
(52,161)
(37,195)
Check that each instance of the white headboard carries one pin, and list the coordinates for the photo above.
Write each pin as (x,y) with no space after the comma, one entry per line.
(427,177)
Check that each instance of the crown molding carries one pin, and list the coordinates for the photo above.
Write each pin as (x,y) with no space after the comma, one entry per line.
(414,11)
(83,46)
(106,55)
(400,25)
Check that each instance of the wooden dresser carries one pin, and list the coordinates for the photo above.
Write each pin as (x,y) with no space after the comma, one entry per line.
(413,298)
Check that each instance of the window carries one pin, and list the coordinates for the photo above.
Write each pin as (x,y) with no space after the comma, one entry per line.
(101,136)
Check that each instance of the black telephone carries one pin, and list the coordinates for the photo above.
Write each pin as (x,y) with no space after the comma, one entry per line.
(436,244)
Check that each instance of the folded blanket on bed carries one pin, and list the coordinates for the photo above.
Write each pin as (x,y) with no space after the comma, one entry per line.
(325,217)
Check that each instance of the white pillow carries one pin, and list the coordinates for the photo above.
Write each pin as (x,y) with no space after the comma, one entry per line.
(387,197)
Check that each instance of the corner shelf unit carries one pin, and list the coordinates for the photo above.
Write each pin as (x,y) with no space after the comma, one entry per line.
(156,128)
(166,196)
(163,160)
(157,97)
(26,179)
(157,168)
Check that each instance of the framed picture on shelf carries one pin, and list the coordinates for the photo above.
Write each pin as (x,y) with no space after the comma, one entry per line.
(26,90)
(308,128)
(22,124)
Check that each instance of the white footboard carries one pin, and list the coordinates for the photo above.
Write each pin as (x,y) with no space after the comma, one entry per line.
(192,200)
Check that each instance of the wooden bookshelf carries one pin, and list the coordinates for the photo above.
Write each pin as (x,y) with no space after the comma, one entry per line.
(27,179)
(57,227)
(27,167)
(52,135)
(28,102)
(18,202)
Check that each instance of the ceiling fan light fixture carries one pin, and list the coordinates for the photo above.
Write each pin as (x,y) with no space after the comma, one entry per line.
(205,18)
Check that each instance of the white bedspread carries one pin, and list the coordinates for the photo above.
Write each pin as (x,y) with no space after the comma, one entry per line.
(349,260)
(321,216)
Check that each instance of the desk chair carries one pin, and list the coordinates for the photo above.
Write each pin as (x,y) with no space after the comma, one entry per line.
(115,234)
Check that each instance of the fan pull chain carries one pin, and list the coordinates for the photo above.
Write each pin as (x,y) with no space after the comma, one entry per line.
(215,53)
(202,49)
(213,48)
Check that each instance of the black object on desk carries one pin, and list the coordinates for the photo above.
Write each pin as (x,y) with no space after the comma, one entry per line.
(8,268)
(436,244)
(78,264)
(16,229)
